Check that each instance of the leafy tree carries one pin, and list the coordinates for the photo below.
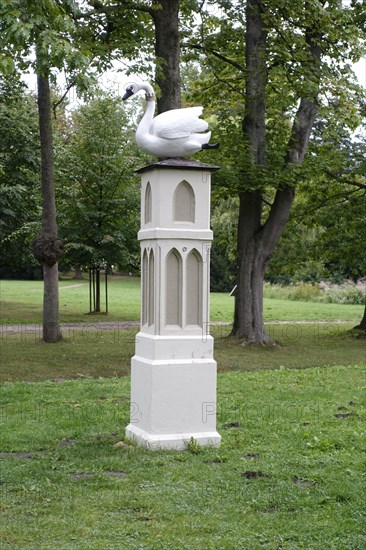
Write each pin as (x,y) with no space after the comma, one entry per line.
(45,27)
(63,34)
(294,71)
(99,195)
(19,177)
(224,222)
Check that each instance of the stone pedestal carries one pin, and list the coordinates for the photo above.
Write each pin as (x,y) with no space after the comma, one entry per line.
(173,373)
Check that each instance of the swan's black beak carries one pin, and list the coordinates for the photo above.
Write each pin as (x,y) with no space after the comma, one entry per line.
(129,93)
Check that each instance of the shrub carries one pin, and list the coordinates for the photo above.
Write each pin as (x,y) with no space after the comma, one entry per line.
(344,295)
(307,292)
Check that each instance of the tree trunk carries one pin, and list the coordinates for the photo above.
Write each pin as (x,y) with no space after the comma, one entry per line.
(78,273)
(256,242)
(47,247)
(362,325)
(248,315)
(167,51)
(97,290)
(51,327)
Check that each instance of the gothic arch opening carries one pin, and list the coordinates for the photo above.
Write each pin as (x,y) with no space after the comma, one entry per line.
(184,203)
(145,282)
(151,297)
(148,203)
(174,288)
(194,288)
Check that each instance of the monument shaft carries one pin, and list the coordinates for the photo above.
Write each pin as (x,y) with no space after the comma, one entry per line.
(173,372)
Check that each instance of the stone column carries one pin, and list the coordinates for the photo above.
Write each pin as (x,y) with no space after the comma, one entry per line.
(173,373)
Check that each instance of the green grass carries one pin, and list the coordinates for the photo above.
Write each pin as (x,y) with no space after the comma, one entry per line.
(288,476)
(98,353)
(308,493)
(21,302)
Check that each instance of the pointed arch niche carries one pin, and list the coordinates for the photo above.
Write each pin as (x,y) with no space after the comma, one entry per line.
(194,288)
(148,203)
(145,286)
(148,281)
(184,203)
(173,311)
(151,298)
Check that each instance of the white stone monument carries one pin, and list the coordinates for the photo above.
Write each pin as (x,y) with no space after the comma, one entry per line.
(173,373)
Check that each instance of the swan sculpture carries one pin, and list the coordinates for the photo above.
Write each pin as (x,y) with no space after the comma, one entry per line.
(175,133)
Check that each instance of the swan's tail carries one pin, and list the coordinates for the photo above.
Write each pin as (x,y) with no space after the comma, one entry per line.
(210,146)
(202,138)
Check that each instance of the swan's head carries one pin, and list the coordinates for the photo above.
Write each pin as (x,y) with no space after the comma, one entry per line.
(131,89)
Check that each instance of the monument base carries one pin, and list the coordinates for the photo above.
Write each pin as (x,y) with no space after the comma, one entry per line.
(174,442)
(173,398)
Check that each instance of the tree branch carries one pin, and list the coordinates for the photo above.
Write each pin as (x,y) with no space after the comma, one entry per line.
(338,177)
(324,203)
(216,54)
(137,6)
(58,102)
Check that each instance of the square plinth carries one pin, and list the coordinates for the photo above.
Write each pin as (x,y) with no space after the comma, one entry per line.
(173,401)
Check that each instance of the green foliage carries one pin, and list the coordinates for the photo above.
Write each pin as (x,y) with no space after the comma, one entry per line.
(46,25)
(307,292)
(193,447)
(224,225)
(291,75)
(80,38)
(19,177)
(347,294)
(98,191)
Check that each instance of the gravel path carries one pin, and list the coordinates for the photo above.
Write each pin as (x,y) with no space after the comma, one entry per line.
(36,328)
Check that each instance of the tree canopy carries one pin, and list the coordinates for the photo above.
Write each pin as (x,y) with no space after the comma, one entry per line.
(98,192)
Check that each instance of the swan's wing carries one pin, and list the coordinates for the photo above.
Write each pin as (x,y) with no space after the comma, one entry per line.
(178,123)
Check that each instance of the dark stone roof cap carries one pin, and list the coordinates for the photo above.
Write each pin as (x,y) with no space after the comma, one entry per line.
(180,164)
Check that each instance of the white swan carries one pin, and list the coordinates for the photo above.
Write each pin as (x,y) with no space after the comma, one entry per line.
(174,133)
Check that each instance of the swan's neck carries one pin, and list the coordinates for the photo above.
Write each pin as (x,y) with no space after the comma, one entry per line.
(148,89)
(144,126)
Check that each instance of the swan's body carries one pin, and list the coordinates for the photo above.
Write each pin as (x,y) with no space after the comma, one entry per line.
(174,133)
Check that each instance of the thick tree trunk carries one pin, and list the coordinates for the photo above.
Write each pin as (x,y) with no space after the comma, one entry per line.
(362,325)
(248,315)
(256,242)
(47,247)
(167,51)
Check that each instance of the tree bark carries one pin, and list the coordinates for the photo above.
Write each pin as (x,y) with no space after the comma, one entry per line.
(362,325)
(248,314)
(256,242)
(167,51)
(47,247)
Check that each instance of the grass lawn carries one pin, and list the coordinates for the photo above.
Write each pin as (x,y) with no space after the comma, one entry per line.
(289,473)
(24,356)
(21,301)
